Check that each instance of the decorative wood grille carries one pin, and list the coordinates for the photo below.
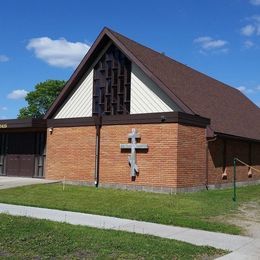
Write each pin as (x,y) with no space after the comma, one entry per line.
(112,79)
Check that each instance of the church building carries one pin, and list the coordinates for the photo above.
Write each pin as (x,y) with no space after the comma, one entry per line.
(132,118)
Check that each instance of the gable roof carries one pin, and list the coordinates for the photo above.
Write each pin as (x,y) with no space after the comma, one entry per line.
(231,112)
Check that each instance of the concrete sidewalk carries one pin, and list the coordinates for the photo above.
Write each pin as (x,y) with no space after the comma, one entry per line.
(243,247)
(12,182)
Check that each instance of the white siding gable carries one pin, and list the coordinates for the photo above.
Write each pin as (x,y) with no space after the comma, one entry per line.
(79,103)
(146,96)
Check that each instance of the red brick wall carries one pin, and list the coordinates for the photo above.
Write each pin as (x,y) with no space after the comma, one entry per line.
(71,153)
(215,162)
(256,157)
(157,167)
(176,156)
(191,156)
(234,148)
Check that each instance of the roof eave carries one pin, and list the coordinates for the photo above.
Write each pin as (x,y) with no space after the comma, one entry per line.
(235,137)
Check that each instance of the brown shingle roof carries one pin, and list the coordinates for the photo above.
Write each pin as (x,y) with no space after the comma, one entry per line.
(230,111)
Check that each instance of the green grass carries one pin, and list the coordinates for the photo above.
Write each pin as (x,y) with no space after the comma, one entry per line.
(25,238)
(195,210)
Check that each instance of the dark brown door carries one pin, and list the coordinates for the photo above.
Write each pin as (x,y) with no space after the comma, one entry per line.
(20,165)
(20,154)
(12,163)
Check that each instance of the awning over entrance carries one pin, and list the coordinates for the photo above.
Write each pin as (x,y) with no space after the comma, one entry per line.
(22,147)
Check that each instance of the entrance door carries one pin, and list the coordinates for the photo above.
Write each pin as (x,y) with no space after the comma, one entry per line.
(20,158)
(20,165)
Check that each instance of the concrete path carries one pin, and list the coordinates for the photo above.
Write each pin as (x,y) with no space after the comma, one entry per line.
(242,246)
(11,182)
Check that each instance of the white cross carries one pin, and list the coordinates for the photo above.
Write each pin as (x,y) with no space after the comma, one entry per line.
(133,146)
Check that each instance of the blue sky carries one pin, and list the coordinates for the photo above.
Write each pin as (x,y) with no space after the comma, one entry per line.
(42,40)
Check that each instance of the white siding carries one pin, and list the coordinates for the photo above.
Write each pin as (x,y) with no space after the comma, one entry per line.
(146,96)
(79,103)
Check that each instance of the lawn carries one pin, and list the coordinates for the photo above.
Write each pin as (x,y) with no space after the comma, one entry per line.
(198,210)
(25,238)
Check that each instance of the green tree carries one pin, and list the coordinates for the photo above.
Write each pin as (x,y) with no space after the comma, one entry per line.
(40,100)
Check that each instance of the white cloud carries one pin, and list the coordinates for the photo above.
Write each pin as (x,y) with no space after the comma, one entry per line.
(242,89)
(255,18)
(253,28)
(4,58)
(207,44)
(3,117)
(248,30)
(255,2)
(3,108)
(258,29)
(59,53)
(246,90)
(17,94)
(248,44)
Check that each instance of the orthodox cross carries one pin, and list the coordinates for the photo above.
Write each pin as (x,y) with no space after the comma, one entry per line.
(133,146)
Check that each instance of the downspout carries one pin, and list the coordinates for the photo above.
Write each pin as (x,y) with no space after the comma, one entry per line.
(212,138)
(98,123)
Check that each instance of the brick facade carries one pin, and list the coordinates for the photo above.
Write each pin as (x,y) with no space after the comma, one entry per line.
(219,161)
(71,153)
(191,156)
(176,158)
(157,166)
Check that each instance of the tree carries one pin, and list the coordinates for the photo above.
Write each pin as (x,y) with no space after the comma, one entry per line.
(40,100)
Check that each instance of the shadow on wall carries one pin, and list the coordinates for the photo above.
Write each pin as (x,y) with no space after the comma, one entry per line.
(223,151)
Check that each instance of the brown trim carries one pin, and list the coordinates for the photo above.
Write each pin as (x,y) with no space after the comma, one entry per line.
(250,153)
(98,123)
(207,165)
(6,125)
(213,139)
(104,37)
(224,155)
(71,122)
(245,139)
(156,118)
(151,118)
(22,130)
